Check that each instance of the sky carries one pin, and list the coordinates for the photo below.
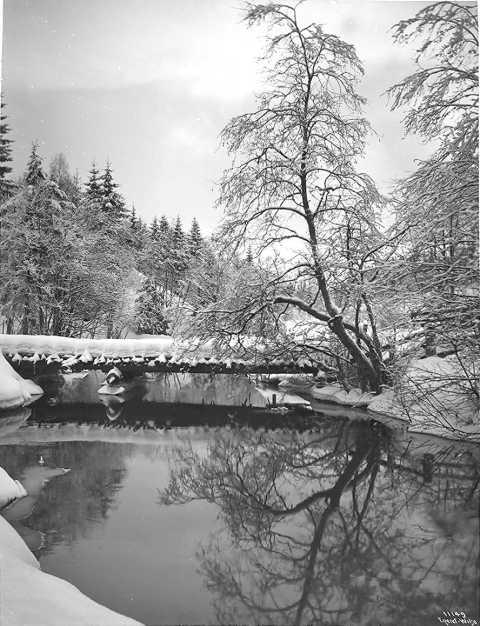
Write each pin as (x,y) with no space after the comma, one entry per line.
(149,84)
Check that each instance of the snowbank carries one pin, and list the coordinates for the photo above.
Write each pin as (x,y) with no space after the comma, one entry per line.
(387,403)
(30,597)
(14,390)
(9,489)
(297,382)
(433,397)
(338,395)
(38,344)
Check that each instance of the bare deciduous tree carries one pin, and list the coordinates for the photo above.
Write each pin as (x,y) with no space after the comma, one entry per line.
(294,185)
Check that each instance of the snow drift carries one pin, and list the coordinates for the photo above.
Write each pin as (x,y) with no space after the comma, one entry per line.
(15,391)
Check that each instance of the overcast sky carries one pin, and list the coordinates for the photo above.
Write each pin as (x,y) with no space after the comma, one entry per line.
(149,84)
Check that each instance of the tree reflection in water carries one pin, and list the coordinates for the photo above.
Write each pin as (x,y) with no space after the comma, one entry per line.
(72,504)
(335,528)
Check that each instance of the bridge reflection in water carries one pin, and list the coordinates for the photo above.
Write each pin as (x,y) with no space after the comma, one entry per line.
(184,388)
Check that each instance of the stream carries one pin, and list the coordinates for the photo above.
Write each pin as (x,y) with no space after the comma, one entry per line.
(219,511)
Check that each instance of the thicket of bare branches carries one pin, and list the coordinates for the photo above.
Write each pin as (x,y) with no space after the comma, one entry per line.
(437,205)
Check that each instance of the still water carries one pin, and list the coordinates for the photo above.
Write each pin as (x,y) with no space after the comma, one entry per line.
(209,514)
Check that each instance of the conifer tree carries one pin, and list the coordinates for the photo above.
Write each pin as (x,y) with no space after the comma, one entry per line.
(6,186)
(142,230)
(195,239)
(93,189)
(34,174)
(178,255)
(112,202)
(164,227)
(150,318)
(154,230)
(39,254)
(136,235)
(178,236)
(133,218)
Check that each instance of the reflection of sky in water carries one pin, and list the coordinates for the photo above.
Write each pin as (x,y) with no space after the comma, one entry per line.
(347,523)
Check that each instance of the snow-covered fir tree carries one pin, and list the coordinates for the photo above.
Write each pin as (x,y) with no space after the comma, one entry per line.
(133,218)
(92,186)
(164,228)
(6,185)
(38,254)
(178,235)
(34,174)
(195,239)
(150,318)
(154,230)
(112,202)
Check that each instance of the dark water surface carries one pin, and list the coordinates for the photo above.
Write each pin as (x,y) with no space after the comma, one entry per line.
(209,515)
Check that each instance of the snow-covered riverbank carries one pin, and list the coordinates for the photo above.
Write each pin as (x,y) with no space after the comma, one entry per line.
(435,397)
(15,391)
(30,597)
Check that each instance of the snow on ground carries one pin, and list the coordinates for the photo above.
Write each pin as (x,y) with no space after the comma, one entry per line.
(15,391)
(336,393)
(434,397)
(297,382)
(146,346)
(30,597)
(9,489)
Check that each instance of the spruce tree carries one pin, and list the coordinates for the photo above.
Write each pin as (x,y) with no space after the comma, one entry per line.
(6,186)
(112,202)
(136,235)
(195,239)
(178,255)
(178,236)
(34,174)
(150,318)
(164,228)
(133,218)
(92,187)
(154,230)
(39,257)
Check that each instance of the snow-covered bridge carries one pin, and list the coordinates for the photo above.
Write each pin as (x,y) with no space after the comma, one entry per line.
(42,354)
